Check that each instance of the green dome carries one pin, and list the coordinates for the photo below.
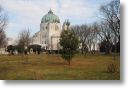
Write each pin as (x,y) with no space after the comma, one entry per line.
(50,17)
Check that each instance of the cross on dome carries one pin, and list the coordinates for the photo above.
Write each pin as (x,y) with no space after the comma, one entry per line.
(50,11)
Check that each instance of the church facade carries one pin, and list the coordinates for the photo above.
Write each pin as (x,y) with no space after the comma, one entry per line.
(49,34)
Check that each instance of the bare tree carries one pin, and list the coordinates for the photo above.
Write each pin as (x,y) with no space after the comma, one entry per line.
(24,38)
(92,38)
(106,35)
(108,30)
(3,39)
(3,22)
(110,26)
(111,14)
(82,32)
(23,42)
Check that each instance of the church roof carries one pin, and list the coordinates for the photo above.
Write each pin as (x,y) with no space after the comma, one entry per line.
(50,17)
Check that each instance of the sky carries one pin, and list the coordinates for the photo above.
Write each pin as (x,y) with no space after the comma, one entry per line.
(24,14)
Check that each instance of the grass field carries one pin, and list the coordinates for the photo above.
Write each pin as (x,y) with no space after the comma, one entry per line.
(53,67)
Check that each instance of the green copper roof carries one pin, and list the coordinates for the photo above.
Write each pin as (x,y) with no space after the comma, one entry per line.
(50,17)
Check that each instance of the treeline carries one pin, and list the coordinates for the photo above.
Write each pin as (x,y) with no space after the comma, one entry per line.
(105,33)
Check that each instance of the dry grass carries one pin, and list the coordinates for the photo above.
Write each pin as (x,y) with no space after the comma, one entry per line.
(53,67)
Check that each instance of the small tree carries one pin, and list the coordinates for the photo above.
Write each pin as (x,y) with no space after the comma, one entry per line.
(24,40)
(69,43)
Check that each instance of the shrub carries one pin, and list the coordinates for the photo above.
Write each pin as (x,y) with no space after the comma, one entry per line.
(112,68)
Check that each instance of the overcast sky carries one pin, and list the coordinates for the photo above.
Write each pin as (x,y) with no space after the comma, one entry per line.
(28,13)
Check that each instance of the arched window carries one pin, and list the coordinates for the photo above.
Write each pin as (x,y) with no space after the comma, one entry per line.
(44,42)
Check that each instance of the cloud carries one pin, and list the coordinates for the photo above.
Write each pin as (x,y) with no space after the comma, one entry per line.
(28,13)
(25,13)
(75,8)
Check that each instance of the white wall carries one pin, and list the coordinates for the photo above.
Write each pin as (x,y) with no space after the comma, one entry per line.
(49,30)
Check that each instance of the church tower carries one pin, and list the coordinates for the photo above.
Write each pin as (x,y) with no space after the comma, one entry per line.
(66,25)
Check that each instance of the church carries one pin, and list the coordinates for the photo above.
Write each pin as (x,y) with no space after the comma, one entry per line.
(50,30)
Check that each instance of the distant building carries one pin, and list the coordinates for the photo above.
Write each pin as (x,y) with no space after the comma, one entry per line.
(50,30)
(11,41)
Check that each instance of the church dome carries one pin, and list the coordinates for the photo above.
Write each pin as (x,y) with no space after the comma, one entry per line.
(50,17)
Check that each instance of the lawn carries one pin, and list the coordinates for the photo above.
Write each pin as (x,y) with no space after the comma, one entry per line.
(53,67)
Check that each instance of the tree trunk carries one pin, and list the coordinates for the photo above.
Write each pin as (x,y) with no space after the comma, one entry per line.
(69,62)
(108,49)
(82,49)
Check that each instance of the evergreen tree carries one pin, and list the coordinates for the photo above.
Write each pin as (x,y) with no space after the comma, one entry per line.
(69,44)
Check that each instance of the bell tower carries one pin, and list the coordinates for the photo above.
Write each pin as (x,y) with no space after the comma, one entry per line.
(66,25)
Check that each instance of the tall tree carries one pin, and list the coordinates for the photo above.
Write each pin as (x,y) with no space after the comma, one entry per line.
(111,16)
(106,35)
(110,25)
(3,23)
